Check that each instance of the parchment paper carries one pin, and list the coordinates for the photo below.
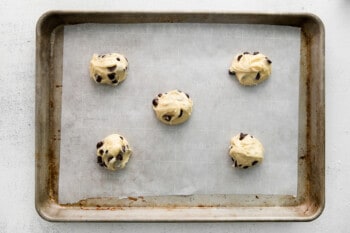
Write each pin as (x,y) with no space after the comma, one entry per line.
(191,158)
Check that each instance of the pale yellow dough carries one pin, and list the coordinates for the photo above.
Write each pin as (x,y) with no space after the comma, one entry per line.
(173,107)
(246,151)
(251,69)
(113,152)
(108,68)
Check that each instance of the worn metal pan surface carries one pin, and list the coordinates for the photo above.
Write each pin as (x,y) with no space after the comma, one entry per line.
(305,206)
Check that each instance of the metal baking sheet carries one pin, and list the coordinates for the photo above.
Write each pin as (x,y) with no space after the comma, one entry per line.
(73,113)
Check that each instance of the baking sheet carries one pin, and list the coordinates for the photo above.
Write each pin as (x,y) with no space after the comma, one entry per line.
(191,158)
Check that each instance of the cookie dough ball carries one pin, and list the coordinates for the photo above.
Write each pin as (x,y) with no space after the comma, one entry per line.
(108,68)
(246,151)
(251,69)
(172,107)
(113,152)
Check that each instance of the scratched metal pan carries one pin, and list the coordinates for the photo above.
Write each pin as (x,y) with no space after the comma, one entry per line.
(307,205)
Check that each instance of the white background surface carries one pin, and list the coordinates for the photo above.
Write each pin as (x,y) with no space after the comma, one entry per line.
(17,49)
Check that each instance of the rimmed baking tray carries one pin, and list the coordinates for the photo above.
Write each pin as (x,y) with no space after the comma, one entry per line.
(305,206)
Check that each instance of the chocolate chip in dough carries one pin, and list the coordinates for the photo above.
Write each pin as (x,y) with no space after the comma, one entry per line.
(239,57)
(120,156)
(167,118)
(242,136)
(231,72)
(111,76)
(155,102)
(181,112)
(257,76)
(99,144)
(98,78)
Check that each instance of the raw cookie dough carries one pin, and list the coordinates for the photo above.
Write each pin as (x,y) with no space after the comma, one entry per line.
(172,107)
(246,151)
(251,69)
(113,152)
(108,68)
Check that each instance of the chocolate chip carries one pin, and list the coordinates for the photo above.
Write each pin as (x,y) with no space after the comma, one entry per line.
(167,117)
(236,163)
(246,53)
(115,81)
(242,136)
(120,156)
(102,55)
(160,95)
(155,102)
(121,138)
(118,59)
(255,162)
(101,152)
(98,78)
(231,72)
(111,76)
(255,53)
(104,165)
(240,165)
(99,159)
(99,144)
(112,68)
(233,160)
(245,167)
(268,60)
(106,152)
(123,149)
(239,57)
(181,112)
(188,96)
(110,158)
(257,76)
(126,68)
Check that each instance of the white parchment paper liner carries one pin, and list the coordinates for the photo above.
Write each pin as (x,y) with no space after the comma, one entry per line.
(191,158)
